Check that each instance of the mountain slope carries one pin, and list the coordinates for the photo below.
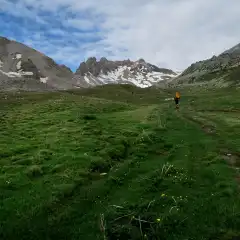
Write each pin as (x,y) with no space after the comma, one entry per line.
(222,70)
(139,73)
(233,50)
(24,68)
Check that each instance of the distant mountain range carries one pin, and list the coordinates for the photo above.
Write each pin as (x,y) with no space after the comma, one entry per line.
(139,73)
(23,68)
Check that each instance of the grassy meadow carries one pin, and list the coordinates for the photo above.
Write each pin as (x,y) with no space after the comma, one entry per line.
(119,162)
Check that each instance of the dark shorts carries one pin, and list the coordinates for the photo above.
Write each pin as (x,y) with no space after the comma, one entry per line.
(176,100)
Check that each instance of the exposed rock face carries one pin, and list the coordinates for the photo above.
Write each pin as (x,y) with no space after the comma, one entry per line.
(24,68)
(139,73)
(103,66)
(29,66)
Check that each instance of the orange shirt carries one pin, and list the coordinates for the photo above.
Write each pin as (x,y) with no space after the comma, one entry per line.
(177,95)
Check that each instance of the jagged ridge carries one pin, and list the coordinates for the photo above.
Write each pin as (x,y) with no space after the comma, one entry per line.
(139,73)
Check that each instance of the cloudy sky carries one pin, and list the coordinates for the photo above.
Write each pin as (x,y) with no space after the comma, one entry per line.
(169,33)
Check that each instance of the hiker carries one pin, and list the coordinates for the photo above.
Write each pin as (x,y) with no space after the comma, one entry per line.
(177,99)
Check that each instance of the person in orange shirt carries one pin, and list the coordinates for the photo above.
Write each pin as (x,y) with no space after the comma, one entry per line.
(177,99)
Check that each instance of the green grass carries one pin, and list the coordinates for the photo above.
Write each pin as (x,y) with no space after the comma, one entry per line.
(118,162)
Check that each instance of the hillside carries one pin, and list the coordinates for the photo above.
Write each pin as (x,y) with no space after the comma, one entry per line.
(119,162)
(23,68)
(218,71)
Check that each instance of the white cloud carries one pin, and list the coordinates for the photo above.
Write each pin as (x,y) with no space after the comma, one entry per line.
(82,24)
(57,32)
(19,10)
(170,33)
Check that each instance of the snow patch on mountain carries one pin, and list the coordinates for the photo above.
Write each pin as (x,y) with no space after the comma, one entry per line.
(138,73)
(87,79)
(18,56)
(19,73)
(16,74)
(44,80)
(19,65)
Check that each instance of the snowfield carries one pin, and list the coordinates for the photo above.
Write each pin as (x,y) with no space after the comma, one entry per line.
(125,74)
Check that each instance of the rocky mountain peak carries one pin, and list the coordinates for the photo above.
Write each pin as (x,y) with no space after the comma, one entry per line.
(141,60)
(22,67)
(65,68)
(103,60)
(95,67)
(91,60)
(140,73)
